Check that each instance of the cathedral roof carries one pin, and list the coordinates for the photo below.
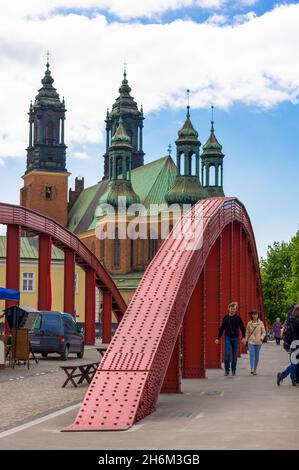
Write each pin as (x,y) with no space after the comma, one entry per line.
(47,94)
(150,182)
(212,146)
(187,132)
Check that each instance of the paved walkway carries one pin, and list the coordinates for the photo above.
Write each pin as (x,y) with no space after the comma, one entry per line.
(245,412)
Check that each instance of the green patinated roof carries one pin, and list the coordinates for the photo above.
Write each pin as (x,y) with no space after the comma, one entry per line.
(212,146)
(120,137)
(128,281)
(187,132)
(47,94)
(82,204)
(29,249)
(150,182)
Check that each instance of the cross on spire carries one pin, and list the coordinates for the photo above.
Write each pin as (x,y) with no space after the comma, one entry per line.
(125,68)
(188,106)
(169,149)
(212,114)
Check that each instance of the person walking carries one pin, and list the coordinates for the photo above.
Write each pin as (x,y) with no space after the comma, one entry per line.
(291,344)
(277,326)
(231,325)
(255,334)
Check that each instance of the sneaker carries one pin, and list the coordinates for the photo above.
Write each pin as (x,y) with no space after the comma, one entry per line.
(279,379)
(233,373)
(294,384)
(226,373)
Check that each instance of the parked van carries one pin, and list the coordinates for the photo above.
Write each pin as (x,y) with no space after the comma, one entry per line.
(56,332)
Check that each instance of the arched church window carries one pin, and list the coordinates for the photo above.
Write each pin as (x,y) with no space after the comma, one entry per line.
(116,250)
(119,167)
(152,247)
(50,133)
(212,175)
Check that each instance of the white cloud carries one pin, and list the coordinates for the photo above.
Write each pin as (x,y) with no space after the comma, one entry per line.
(217,20)
(246,3)
(2,163)
(80,155)
(255,63)
(240,19)
(122,8)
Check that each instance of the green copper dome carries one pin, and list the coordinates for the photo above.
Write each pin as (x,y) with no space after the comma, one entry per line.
(47,94)
(187,133)
(119,189)
(212,146)
(186,190)
(120,137)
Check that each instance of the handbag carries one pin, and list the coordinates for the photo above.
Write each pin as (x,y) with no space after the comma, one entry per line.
(246,344)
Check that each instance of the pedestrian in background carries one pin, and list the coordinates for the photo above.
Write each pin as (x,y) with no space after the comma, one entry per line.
(291,345)
(277,326)
(255,334)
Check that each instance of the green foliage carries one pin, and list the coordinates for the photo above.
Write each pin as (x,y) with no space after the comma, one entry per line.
(293,283)
(276,274)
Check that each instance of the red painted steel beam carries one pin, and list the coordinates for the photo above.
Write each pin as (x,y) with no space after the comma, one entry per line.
(69,281)
(12,261)
(127,384)
(226,275)
(44,272)
(173,377)
(243,300)
(90,307)
(237,270)
(213,314)
(107,317)
(194,336)
(39,224)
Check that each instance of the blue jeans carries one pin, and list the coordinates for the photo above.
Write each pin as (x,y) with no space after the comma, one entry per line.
(231,345)
(290,370)
(254,352)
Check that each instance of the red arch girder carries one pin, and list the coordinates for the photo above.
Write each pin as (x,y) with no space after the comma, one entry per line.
(127,383)
(38,224)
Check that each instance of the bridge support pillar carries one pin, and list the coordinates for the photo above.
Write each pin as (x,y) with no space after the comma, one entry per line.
(194,334)
(107,319)
(226,275)
(243,294)
(44,272)
(236,271)
(90,307)
(12,261)
(69,282)
(173,377)
(212,306)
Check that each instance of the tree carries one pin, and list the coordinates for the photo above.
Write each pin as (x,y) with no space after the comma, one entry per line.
(293,283)
(276,272)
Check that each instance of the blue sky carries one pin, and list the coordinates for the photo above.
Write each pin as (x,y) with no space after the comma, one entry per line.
(240,56)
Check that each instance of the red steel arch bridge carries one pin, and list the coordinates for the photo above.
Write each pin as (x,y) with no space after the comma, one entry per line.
(168,330)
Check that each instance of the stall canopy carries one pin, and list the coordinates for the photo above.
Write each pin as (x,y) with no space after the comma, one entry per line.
(21,317)
(8,294)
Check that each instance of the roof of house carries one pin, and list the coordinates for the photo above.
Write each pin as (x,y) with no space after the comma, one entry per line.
(29,249)
(150,181)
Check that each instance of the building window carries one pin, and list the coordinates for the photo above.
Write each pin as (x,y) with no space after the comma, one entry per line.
(27,282)
(50,133)
(76,283)
(116,250)
(48,192)
(152,248)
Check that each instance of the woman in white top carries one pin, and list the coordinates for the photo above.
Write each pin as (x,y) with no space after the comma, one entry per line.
(255,334)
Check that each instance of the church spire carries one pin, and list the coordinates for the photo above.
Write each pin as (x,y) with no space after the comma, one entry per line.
(132,122)
(187,188)
(120,158)
(46,149)
(212,160)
